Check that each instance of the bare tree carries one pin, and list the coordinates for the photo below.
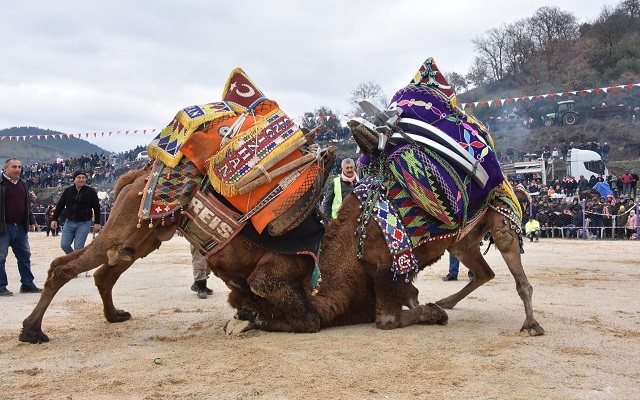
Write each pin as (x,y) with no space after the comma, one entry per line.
(492,49)
(553,31)
(458,82)
(550,24)
(371,91)
(631,8)
(610,28)
(520,47)
(478,73)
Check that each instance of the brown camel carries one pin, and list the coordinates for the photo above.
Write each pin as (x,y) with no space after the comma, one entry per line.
(272,291)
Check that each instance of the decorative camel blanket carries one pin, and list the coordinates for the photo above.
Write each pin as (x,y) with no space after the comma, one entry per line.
(169,189)
(428,109)
(372,194)
(406,225)
(431,182)
(251,152)
(440,172)
(166,146)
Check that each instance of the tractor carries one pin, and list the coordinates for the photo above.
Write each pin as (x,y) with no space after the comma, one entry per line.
(565,114)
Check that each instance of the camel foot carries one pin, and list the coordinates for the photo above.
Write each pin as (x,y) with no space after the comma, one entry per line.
(119,316)
(533,329)
(443,303)
(433,314)
(237,326)
(35,337)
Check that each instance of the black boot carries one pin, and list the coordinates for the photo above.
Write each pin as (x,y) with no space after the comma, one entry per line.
(203,290)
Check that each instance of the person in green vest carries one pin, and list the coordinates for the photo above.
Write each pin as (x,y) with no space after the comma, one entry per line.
(339,188)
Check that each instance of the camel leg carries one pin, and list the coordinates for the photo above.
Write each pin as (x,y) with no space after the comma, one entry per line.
(392,295)
(507,242)
(468,252)
(105,278)
(123,257)
(284,288)
(61,271)
(428,313)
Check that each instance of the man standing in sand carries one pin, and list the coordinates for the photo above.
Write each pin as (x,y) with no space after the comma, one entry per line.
(15,218)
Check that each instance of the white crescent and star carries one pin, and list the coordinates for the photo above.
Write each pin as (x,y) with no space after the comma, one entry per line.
(250,92)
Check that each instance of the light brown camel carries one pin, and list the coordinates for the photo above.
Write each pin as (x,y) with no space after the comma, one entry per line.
(272,291)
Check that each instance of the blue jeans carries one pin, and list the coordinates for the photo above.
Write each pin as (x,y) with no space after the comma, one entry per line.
(75,232)
(16,237)
(454,266)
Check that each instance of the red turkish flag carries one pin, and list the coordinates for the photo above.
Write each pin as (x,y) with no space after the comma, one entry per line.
(240,90)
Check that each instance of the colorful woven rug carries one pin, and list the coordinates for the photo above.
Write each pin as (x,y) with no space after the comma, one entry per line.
(169,189)
(505,201)
(430,182)
(166,146)
(261,139)
(229,139)
(428,98)
(376,205)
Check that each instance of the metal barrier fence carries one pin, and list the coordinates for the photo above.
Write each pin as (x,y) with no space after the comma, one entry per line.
(41,218)
(586,231)
(560,225)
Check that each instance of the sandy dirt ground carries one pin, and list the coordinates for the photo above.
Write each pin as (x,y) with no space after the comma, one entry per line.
(585,296)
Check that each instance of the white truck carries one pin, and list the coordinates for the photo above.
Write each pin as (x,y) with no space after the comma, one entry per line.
(539,168)
(585,162)
(579,162)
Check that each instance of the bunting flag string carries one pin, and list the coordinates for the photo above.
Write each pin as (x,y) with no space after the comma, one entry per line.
(509,100)
(74,135)
(323,118)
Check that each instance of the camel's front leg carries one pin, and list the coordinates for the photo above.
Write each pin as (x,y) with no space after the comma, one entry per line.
(61,271)
(120,259)
(511,256)
(392,295)
(508,244)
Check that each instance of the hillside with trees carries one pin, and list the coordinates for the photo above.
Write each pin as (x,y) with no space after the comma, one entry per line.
(552,52)
(41,150)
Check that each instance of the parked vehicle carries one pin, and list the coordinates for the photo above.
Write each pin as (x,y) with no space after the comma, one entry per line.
(579,162)
(606,110)
(142,156)
(585,162)
(565,114)
(540,168)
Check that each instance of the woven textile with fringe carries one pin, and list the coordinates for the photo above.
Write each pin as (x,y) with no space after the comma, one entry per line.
(169,189)
(428,98)
(166,146)
(430,182)
(228,139)
(263,140)
(372,194)
(505,201)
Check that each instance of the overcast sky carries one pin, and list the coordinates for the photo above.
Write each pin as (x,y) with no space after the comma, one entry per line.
(94,66)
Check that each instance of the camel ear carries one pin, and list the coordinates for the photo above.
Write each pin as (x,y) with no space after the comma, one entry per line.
(429,75)
(241,91)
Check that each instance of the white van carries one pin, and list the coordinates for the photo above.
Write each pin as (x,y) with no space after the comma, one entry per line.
(142,156)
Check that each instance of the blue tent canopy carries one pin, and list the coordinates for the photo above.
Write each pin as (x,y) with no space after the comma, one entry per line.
(603,188)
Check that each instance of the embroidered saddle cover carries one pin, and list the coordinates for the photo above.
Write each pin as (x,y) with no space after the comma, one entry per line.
(444,158)
(228,140)
(438,175)
(169,189)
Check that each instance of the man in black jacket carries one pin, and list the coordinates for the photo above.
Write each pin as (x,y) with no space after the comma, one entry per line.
(79,204)
(15,218)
